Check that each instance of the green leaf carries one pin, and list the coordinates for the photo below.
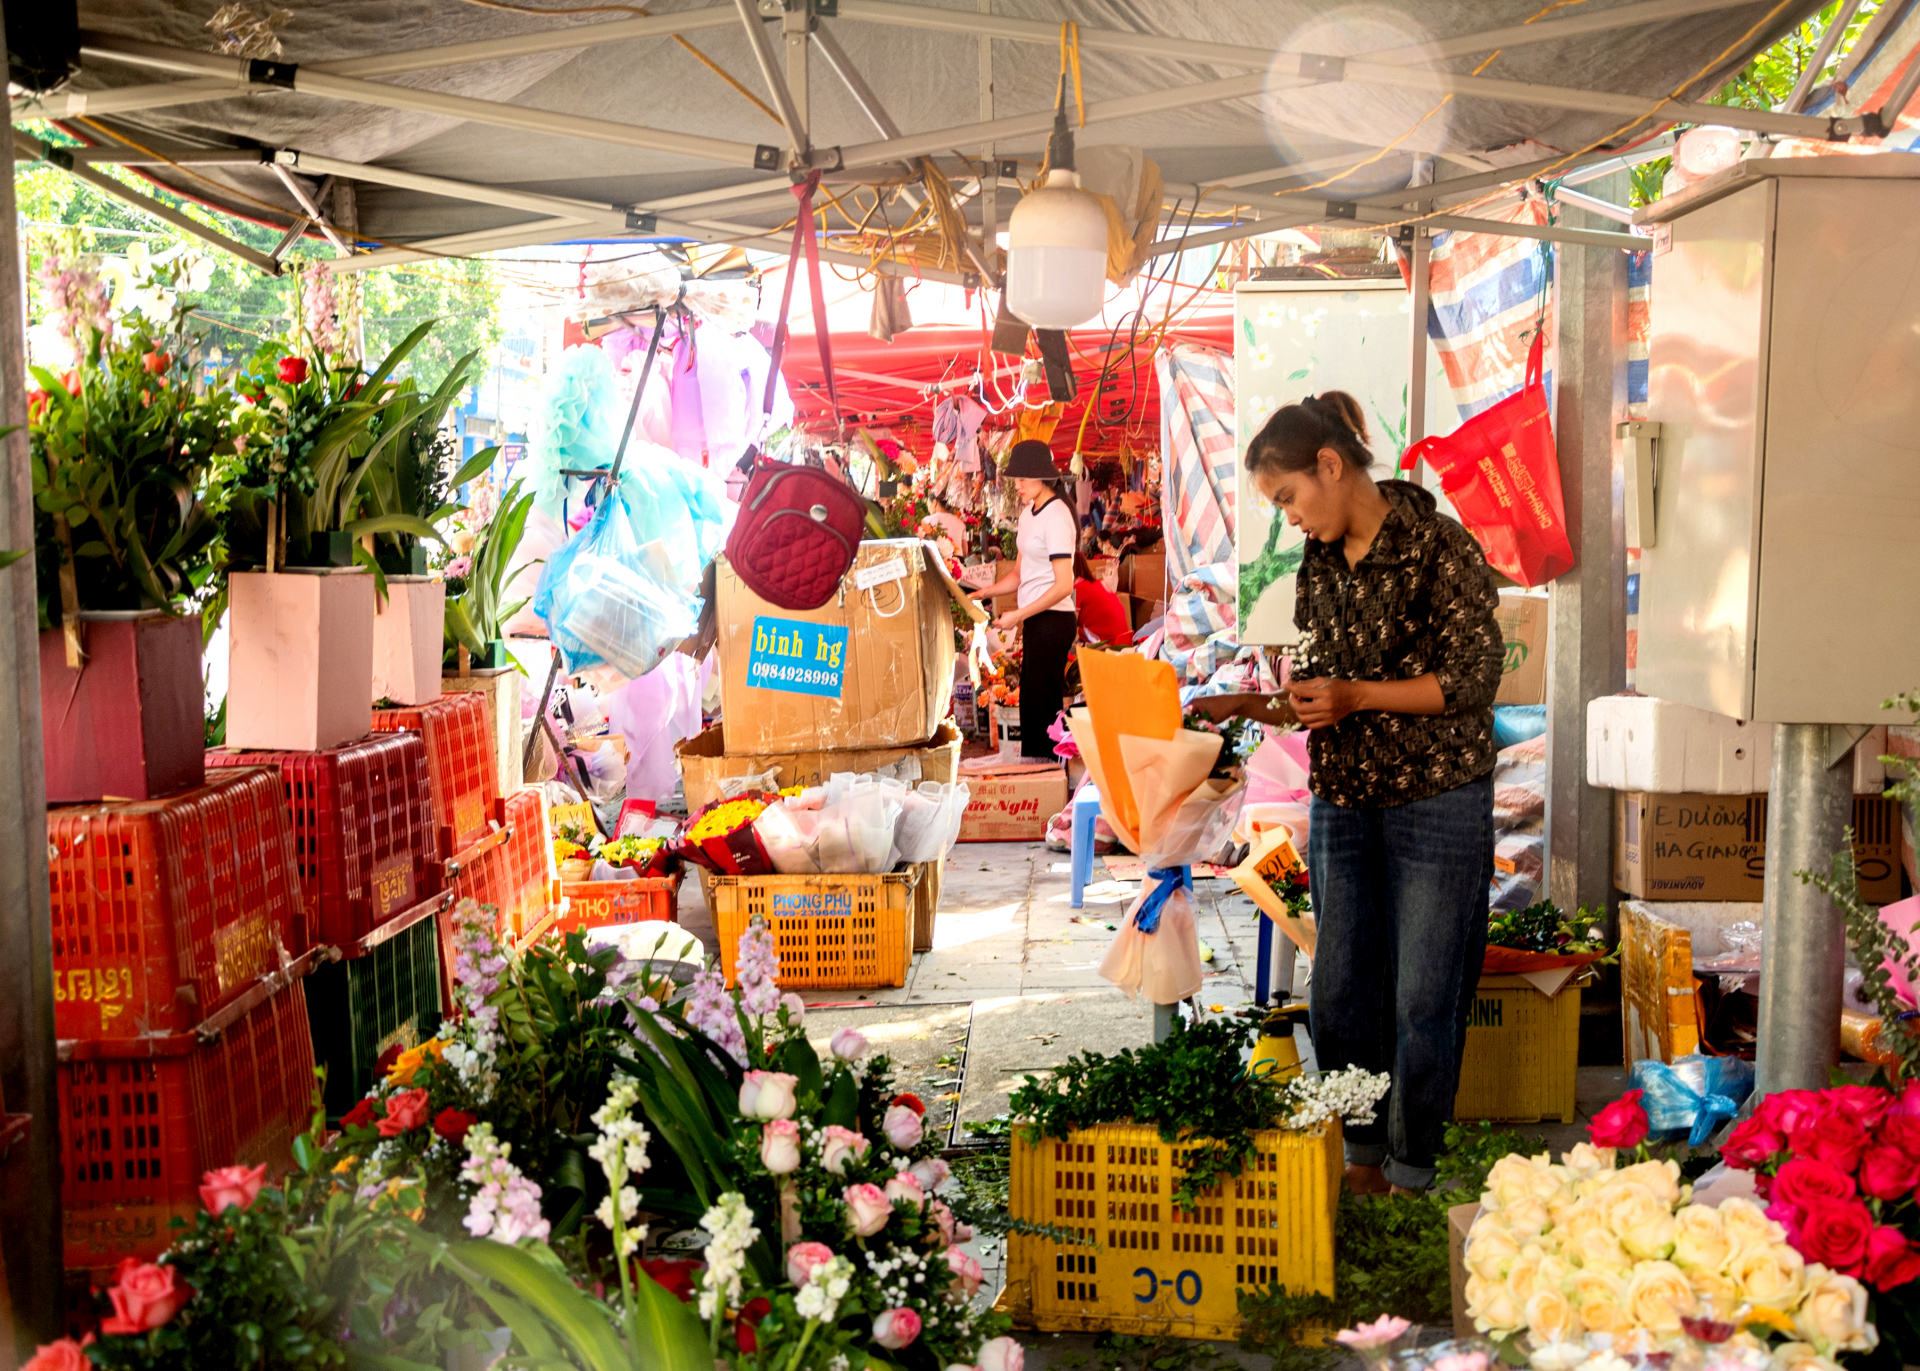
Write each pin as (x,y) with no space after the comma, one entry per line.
(476,465)
(796,1055)
(578,1319)
(392,523)
(9,558)
(843,1102)
(667,1335)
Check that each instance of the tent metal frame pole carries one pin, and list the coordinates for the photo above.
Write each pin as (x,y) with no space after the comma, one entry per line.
(790,115)
(309,204)
(1829,40)
(1420,250)
(1606,209)
(101,181)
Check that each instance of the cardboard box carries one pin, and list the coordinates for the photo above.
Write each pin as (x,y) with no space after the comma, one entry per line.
(871,668)
(705,761)
(1143,575)
(1106,570)
(1659,999)
(1714,847)
(1460,1219)
(1012,807)
(1523,630)
(1145,611)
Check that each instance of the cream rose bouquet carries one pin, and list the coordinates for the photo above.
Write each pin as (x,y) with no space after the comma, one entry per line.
(1588,1256)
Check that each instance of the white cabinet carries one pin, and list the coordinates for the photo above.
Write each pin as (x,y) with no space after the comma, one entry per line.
(1782,584)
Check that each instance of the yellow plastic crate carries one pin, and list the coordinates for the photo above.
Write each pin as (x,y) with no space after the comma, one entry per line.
(831,932)
(1523,1048)
(1152,1267)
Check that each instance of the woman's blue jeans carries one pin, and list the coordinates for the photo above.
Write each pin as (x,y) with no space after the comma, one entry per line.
(1400,896)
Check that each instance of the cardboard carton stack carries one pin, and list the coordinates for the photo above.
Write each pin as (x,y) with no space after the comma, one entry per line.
(865,680)
(1690,848)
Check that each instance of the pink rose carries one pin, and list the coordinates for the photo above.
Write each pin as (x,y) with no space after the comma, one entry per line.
(843,1146)
(932,1173)
(1836,1233)
(868,1209)
(802,1257)
(895,1328)
(1891,1259)
(231,1187)
(64,1355)
(1788,1217)
(1836,1139)
(848,1044)
(1866,1105)
(144,1296)
(966,1272)
(1002,1354)
(1906,1104)
(406,1110)
(1887,1173)
(904,1189)
(767,1095)
(963,1232)
(780,1147)
(1787,1110)
(902,1127)
(1804,1182)
(942,1220)
(1621,1124)
(1901,1131)
(1752,1144)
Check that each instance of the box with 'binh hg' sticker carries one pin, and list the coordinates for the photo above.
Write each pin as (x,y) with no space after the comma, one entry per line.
(871,668)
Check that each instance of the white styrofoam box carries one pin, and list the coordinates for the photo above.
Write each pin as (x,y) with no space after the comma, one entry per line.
(1637,742)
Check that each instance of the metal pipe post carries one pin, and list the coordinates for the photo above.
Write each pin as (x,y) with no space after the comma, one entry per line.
(1803,957)
(30,1230)
(1417,339)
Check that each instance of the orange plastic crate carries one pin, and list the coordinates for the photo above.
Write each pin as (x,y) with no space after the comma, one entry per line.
(526,862)
(165,910)
(460,768)
(361,833)
(597,904)
(141,1121)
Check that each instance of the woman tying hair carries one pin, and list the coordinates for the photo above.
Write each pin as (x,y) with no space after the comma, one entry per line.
(1402,659)
(1044,576)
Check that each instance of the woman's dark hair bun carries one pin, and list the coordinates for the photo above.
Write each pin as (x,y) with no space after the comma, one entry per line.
(1293,438)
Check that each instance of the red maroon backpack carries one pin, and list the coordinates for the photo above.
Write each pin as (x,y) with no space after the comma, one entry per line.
(799,527)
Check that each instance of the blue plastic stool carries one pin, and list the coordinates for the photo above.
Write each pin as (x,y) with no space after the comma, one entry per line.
(1086,808)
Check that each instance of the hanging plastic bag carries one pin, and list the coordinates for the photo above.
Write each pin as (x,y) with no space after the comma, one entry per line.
(1692,1096)
(606,600)
(1500,470)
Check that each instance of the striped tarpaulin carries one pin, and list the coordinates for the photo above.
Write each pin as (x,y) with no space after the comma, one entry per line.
(1197,499)
(1488,294)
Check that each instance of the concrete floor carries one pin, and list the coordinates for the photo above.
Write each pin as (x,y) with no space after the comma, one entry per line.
(1012,984)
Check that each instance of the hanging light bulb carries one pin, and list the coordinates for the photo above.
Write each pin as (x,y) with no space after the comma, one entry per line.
(1057,243)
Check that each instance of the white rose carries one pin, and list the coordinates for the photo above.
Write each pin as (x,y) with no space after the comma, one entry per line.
(1658,1296)
(1491,1306)
(1526,1216)
(1597,1249)
(1662,1179)
(1586,1161)
(1512,1177)
(848,1044)
(932,1173)
(902,1127)
(843,1145)
(1772,1274)
(1834,1316)
(780,1146)
(1597,1295)
(1700,1239)
(1748,1225)
(1002,1354)
(1490,1248)
(767,1095)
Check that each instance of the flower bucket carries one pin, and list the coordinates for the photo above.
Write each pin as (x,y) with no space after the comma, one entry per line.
(300,674)
(409,632)
(129,722)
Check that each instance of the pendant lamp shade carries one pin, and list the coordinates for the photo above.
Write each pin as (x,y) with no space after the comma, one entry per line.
(1057,254)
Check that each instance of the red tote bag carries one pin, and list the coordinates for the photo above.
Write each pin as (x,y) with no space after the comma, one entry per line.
(1500,470)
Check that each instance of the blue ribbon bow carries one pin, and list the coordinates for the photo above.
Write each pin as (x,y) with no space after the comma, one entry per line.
(1167,879)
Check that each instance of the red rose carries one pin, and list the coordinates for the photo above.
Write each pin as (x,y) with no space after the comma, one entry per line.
(155,362)
(231,1187)
(1789,1218)
(743,1334)
(1907,1103)
(1835,1139)
(1887,1173)
(70,381)
(405,1111)
(293,370)
(1866,1105)
(1891,1259)
(1836,1233)
(1751,1144)
(1805,1182)
(676,1277)
(64,1355)
(452,1124)
(383,1063)
(1901,1131)
(144,1296)
(1789,1109)
(360,1116)
(912,1102)
(36,406)
(1621,1124)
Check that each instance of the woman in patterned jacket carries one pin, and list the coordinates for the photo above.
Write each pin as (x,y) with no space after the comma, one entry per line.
(1395,676)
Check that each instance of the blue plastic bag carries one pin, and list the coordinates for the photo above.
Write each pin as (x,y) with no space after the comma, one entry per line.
(1692,1097)
(607,600)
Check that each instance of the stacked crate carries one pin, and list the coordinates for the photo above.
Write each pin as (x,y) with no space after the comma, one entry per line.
(179,930)
(461,776)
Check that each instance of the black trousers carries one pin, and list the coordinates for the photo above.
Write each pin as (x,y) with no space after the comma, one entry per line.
(1047,638)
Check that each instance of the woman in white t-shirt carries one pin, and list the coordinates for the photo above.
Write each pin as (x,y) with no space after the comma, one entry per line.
(1043,575)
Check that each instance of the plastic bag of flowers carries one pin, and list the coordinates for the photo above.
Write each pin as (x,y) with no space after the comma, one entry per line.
(721,837)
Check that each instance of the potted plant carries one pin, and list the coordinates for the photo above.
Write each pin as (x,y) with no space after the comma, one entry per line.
(477,577)
(124,462)
(302,627)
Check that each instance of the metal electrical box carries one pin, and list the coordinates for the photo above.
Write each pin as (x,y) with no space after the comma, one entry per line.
(1782,583)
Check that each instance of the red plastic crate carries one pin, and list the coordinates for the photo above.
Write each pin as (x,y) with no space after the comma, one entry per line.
(596,904)
(165,910)
(478,875)
(526,882)
(142,1121)
(460,769)
(361,832)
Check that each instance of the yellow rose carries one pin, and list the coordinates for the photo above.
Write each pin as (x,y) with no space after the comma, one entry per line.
(1520,1275)
(1511,1178)
(1597,1249)
(1700,1239)
(1526,1216)
(1550,1314)
(1490,1248)
(1834,1316)
(1490,1306)
(1801,1356)
(1582,1217)
(1657,1295)
(1596,1294)
(1586,1161)
(1772,1274)
(1662,1180)
(1643,1223)
(1748,1225)
(1713,1293)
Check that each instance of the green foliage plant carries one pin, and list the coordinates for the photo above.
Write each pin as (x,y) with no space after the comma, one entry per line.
(477,608)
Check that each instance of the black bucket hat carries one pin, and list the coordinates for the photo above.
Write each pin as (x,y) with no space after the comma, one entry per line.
(1031,460)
